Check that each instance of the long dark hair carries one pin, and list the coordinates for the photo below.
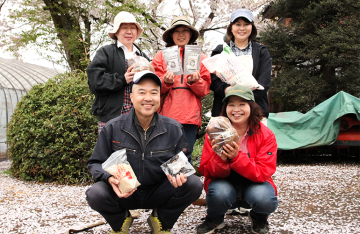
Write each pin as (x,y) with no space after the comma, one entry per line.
(253,31)
(255,114)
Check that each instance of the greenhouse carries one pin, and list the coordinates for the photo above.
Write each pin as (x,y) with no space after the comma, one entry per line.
(16,78)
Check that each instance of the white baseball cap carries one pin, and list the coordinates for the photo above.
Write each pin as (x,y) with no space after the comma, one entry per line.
(242,13)
(146,74)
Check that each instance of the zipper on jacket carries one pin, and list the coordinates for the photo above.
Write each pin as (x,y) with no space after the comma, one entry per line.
(135,139)
(153,138)
(182,75)
(162,151)
(118,147)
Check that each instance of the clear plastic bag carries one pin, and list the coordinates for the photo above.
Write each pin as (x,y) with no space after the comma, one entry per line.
(140,64)
(118,166)
(230,69)
(172,60)
(192,59)
(178,164)
(222,132)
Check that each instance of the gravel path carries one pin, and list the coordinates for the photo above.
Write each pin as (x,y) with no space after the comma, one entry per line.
(320,198)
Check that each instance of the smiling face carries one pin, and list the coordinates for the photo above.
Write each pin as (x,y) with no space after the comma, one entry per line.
(127,34)
(238,110)
(241,31)
(181,36)
(145,97)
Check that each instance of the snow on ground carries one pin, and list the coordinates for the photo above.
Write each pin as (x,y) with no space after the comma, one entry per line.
(317,198)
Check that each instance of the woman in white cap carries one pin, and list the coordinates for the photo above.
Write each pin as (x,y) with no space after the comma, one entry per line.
(109,78)
(241,33)
(241,175)
(181,95)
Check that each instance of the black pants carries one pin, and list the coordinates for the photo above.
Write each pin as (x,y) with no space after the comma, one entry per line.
(169,201)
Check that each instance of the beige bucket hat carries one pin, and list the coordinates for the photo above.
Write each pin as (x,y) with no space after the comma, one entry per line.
(124,17)
(183,21)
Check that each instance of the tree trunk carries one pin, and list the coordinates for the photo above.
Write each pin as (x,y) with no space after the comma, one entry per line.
(69,32)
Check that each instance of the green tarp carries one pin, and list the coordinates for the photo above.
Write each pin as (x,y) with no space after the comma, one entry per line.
(319,126)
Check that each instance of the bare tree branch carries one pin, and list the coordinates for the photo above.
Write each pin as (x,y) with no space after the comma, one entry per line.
(2,4)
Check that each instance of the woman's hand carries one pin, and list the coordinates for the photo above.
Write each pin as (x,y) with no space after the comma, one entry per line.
(115,185)
(230,151)
(129,75)
(194,77)
(227,89)
(177,181)
(169,77)
(212,143)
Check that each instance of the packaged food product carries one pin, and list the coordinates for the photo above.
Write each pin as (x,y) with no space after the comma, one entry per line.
(231,69)
(140,64)
(192,58)
(118,166)
(172,60)
(178,164)
(222,132)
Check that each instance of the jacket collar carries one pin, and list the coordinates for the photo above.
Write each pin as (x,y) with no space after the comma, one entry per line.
(129,125)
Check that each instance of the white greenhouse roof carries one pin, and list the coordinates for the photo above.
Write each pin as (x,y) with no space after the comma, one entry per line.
(22,76)
(16,79)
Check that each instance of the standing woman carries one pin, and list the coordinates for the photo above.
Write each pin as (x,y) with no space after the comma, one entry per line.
(241,33)
(241,175)
(109,78)
(181,95)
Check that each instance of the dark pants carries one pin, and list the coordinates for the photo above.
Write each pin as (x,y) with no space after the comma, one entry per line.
(169,201)
(190,133)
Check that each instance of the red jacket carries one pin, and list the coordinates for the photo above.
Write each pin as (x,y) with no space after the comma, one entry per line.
(181,100)
(258,166)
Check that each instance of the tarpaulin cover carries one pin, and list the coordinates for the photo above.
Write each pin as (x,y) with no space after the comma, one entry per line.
(319,126)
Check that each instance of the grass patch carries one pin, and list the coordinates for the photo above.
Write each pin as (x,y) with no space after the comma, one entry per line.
(197,151)
(7,172)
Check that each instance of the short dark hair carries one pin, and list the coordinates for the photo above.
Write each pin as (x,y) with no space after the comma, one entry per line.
(255,114)
(172,43)
(253,31)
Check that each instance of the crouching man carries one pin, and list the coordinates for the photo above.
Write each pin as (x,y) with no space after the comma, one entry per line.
(150,140)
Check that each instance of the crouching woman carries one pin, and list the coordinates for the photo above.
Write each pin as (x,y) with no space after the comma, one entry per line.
(241,176)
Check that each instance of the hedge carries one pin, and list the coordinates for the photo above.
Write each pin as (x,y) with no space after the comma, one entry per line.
(52,132)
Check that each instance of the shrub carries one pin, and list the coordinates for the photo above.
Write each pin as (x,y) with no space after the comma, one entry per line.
(52,132)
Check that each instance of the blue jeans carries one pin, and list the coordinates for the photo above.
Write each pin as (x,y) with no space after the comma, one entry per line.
(222,195)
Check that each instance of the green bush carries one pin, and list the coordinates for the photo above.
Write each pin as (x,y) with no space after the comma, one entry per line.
(52,132)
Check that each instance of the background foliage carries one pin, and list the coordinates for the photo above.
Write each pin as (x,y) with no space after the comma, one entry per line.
(76,29)
(52,132)
(317,54)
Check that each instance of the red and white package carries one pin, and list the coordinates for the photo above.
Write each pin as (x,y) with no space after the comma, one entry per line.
(118,166)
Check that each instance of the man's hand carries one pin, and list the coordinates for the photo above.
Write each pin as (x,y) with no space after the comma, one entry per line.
(194,77)
(169,77)
(115,185)
(129,75)
(177,181)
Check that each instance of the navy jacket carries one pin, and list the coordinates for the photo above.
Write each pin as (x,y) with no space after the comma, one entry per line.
(261,71)
(106,79)
(166,140)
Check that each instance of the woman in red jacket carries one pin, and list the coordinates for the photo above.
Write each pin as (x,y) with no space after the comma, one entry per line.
(181,95)
(241,176)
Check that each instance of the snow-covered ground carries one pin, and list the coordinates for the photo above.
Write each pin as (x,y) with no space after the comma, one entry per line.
(317,198)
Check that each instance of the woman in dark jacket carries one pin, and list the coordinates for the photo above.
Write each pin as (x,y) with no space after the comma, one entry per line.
(109,78)
(241,33)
